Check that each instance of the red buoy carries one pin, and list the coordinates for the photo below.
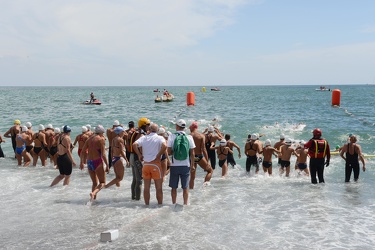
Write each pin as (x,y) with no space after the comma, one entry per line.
(336,95)
(190,99)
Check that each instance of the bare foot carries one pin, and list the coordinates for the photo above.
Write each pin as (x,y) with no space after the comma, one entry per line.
(92,197)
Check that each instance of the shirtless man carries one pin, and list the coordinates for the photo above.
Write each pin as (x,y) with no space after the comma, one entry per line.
(110,135)
(286,153)
(201,156)
(13,132)
(222,152)
(65,160)
(29,142)
(301,162)
(231,144)
(278,146)
(95,146)
(81,139)
(251,150)
(21,152)
(353,152)
(268,151)
(213,134)
(40,144)
(118,151)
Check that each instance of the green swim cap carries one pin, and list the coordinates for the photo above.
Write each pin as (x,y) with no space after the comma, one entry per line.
(337,146)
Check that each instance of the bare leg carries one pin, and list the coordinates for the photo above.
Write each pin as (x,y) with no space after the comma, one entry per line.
(57,180)
(185,194)
(66,180)
(174,195)
(101,177)
(224,169)
(192,177)
(146,191)
(159,190)
(19,159)
(119,172)
(26,158)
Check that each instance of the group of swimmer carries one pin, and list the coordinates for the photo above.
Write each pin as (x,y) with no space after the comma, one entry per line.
(152,153)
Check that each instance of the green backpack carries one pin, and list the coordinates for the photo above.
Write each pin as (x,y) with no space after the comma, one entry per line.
(181,147)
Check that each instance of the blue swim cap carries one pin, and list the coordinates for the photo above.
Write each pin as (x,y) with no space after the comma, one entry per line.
(118,130)
(67,129)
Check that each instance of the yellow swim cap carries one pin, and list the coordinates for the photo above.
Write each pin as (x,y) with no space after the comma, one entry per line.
(143,121)
(18,122)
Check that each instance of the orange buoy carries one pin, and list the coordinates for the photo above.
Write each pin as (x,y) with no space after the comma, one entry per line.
(336,95)
(190,98)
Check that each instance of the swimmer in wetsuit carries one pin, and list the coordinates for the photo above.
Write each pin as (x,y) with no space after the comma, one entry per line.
(65,160)
(353,152)
(95,148)
(222,152)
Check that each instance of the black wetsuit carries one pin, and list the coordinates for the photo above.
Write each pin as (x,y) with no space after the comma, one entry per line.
(352,164)
(211,153)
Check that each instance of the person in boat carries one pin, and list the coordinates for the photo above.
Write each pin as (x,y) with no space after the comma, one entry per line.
(92,97)
(353,152)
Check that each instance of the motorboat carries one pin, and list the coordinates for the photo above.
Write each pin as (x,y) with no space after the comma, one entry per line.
(323,88)
(215,89)
(94,102)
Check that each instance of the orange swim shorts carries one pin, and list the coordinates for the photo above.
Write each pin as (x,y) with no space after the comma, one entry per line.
(152,170)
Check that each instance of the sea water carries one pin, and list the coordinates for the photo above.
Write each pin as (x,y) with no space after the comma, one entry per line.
(238,212)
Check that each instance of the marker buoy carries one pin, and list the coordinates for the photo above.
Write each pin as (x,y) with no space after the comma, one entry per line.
(336,95)
(190,99)
(204,89)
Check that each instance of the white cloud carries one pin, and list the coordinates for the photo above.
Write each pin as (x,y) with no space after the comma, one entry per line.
(134,29)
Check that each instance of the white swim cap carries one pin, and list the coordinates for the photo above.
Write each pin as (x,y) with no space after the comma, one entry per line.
(41,127)
(99,129)
(116,123)
(268,142)
(88,127)
(211,129)
(282,137)
(302,142)
(223,142)
(288,141)
(24,128)
(84,129)
(161,131)
(57,131)
(28,124)
(49,126)
(257,135)
(253,137)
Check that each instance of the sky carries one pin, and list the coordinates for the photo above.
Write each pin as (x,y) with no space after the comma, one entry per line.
(186,42)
